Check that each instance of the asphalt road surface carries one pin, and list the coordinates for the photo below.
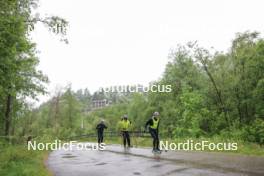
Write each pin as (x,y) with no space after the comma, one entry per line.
(115,161)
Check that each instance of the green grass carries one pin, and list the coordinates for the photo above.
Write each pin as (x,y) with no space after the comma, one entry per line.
(244,148)
(16,160)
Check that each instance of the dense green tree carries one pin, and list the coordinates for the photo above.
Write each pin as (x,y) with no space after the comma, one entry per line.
(19,77)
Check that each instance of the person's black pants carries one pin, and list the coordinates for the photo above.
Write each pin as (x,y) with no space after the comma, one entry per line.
(100,137)
(126,138)
(155,136)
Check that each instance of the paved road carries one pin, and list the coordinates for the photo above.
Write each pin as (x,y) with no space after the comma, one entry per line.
(140,161)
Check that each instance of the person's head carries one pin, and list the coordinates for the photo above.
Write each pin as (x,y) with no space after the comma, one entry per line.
(125,117)
(156,114)
(102,121)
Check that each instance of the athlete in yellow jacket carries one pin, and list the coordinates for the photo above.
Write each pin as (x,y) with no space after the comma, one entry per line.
(124,126)
(153,126)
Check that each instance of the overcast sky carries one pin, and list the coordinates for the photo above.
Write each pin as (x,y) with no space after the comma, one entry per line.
(117,42)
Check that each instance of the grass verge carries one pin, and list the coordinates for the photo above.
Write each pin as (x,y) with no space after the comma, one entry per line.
(16,160)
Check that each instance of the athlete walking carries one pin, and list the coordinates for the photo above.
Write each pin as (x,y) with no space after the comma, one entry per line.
(125,126)
(153,126)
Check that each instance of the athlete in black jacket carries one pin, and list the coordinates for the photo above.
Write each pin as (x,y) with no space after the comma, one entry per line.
(153,125)
(100,131)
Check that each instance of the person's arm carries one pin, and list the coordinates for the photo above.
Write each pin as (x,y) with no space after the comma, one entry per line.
(97,126)
(148,123)
(105,126)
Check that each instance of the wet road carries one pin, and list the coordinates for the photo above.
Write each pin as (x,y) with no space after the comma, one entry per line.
(140,161)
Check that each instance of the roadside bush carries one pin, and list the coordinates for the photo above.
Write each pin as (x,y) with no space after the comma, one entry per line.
(255,132)
(185,132)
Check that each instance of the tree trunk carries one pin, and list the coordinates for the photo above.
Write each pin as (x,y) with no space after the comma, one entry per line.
(239,106)
(56,115)
(8,114)
(218,93)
